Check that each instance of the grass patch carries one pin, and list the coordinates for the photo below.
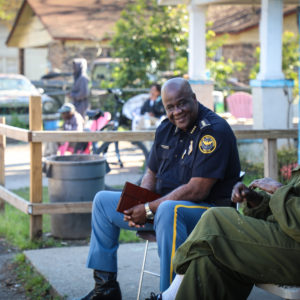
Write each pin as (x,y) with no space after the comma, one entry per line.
(14,226)
(128,236)
(35,285)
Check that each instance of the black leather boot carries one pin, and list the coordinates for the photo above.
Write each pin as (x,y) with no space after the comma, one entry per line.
(106,287)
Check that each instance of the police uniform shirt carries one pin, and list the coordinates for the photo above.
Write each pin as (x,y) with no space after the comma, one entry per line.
(207,150)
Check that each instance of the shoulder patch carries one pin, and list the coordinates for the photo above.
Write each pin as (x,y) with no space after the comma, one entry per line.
(207,144)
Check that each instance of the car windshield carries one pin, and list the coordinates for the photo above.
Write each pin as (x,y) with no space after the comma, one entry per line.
(103,71)
(16,84)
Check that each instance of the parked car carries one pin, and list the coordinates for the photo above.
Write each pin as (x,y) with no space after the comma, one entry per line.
(56,84)
(15,91)
(102,69)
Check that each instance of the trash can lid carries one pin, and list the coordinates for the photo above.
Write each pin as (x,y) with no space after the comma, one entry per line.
(74,159)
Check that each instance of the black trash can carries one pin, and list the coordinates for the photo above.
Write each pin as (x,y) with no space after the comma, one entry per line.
(73,178)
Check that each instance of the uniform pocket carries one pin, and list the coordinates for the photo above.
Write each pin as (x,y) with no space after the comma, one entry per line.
(185,170)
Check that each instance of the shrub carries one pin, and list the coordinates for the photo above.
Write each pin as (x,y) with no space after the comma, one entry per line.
(287,161)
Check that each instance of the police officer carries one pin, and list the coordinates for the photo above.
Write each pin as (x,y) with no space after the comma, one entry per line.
(193,164)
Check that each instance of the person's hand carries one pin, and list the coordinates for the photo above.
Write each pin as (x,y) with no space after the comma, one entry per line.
(241,193)
(266,184)
(136,216)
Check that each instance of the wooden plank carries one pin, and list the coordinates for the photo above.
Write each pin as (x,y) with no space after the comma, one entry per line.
(109,136)
(36,187)
(2,160)
(60,208)
(13,199)
(270,158)
(19,134)
(266,134)
(62,136)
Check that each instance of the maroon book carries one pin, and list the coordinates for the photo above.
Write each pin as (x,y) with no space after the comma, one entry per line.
(133,195)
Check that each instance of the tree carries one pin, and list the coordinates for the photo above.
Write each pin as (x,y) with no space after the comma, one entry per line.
(8,9)
(220,70)
(149,38)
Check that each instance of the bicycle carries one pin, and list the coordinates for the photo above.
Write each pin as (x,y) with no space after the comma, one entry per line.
(126,160)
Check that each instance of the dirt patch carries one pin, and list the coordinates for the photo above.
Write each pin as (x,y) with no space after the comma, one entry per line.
(10,288)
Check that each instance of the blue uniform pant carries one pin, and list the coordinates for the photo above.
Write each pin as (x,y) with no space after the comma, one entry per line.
(173,222)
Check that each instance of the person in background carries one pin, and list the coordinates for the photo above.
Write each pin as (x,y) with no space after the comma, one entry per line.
(80,90)
(152,110)
(154,106)
(72,120)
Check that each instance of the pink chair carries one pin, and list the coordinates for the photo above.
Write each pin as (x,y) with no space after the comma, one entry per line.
(65,147)
(240,105)
(98,124)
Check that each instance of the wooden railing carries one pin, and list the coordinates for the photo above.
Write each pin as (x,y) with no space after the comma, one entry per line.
(35,137)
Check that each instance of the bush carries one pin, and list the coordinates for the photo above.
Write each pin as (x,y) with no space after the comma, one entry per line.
(16,122)
(287,161)
(252,171)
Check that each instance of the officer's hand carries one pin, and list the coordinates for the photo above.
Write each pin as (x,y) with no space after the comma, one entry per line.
(135,216)
(238,194)
(266,184)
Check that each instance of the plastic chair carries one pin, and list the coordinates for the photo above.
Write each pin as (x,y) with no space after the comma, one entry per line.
(240,105)
(148,236)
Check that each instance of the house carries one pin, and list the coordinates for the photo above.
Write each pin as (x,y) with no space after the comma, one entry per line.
(240,23)
(50,33)
(8,56)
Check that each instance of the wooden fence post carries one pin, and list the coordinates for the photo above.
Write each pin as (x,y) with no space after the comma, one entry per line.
(270,158)
(36,184)
(2,159)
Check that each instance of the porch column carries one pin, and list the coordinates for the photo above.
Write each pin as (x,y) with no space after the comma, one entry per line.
(270,31)
(271,92)
(202,87)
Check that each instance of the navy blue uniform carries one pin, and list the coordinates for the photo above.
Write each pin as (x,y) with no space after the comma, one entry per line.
(208,150)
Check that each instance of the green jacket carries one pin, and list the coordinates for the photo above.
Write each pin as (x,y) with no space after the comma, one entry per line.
(282,207)
(263,245)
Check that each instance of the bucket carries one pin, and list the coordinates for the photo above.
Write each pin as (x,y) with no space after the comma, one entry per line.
(50,124)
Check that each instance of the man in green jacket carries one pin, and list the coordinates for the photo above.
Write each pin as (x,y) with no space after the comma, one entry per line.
(227,252)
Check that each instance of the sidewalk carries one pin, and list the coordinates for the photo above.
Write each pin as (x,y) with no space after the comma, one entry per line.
(64,268)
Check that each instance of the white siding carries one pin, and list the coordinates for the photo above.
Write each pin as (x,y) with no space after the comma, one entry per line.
(8,55)
(36,62)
